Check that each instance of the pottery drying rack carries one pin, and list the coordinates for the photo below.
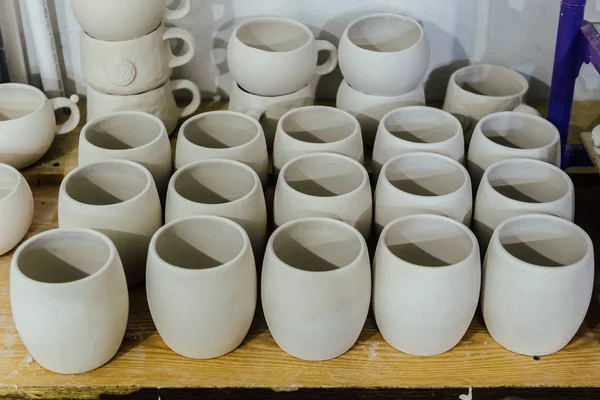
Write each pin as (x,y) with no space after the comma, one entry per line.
(259,368)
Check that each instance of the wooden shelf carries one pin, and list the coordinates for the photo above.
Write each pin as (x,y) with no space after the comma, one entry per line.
(144,361)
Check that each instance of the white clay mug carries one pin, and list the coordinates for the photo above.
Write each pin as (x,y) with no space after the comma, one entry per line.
(426,283)
(276,56)
(69,299)
(370,109)
(133,66)
(201,285)
(117,20)
(538,278)
(384,54)
(28,125)
(16,208)
(159,102)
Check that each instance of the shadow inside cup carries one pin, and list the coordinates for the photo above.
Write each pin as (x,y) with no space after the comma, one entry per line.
(122,131)
(319,125)
(220,130)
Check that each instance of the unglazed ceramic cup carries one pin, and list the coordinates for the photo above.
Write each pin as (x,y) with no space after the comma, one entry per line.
(316,287)
(477,91)
(507,135)
(538,277)
(133,66)
(423,183)
(426,283)
(276,56)
(521,186)
(201,285)
(224,188)
(159,102)
(324,185)
(316,129)
(269,109)
(118,20)
(118,198)
(69,299)
(370,109)
(129,135)
(417,128)
(16,208)
(27,123)
(384,54)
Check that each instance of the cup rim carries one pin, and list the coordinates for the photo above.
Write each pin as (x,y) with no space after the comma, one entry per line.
(543,164)
(533,216)
(332,221)
(289,21)
(87,36)
(86,128)
(512,72)
(345,85)
(17,175)
(112,254)
(187,271)
(346,114)
(236,88)
(149,182)
(89,89)
(29,88)
(365,181)
(217,161)
(441,219)
(449,160)
(258,131)
(408,109)
(379,15)
(540,120)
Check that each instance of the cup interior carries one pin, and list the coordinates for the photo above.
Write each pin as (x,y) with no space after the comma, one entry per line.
(543,241)
(319,124)
(385,33)
(199,243)
(428,242)
(18,102)
(63,256)
(273,35)
(220,130)
(214,182)
(317,245)
(422,125)
(529,182)
(424,175)
(9,180)
(123,131)
(518,131)
(491,80)
(107,183)
(324,175)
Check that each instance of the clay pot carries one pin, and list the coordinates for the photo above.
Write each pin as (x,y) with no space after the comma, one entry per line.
(316,287)
(537,284)
(129,135)
(412,129)
(507,135)
(69,299)
(220,187)
(16,208)
(423,183)
(316,129)
(119,199)
(324,185)
(201,285)
(426,283)
(27,130)
(370,109)
(223,134)
(521,186)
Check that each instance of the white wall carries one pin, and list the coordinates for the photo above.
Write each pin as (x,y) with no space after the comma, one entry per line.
(518,33)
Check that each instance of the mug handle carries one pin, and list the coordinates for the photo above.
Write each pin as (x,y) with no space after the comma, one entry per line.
(180,12)
(255,113)
(184,84)
(71,104)
(178,33)
(525,109)
(331,63)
